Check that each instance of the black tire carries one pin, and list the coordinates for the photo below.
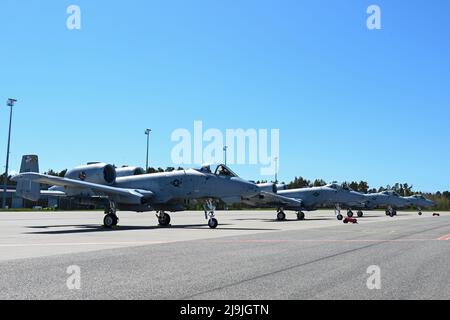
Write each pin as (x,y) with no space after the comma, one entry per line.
(164,220)
(420,213)
(340,217)
(360,214)
(110,220)
(350,213)
(300,216)
(213,223)
(281,216)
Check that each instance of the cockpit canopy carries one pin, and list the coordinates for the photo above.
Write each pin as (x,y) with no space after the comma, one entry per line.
(221,170)
(334,186)
(337,186)
(391,193)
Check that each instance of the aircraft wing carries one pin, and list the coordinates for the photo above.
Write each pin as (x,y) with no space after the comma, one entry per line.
(273,199)
(135,195)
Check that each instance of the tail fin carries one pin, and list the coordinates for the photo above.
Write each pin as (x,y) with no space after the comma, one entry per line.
(25,188)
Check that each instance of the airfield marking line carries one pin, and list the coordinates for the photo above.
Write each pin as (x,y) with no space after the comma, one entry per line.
(8,245)
(139,243)
(319,241)
(444,238)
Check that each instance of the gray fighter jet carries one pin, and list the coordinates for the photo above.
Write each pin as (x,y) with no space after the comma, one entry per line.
(169,191)
(306,199)
(391,200)
(420,202)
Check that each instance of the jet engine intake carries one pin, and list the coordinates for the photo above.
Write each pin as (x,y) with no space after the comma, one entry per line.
(100,173)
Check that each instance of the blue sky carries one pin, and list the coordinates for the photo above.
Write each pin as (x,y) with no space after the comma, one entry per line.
(350,103)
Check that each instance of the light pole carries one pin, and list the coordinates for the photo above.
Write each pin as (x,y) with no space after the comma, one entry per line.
(225,148)
(276,169)
(10,103)
(147,132)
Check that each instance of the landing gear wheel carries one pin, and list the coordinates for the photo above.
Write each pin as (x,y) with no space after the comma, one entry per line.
(213,223)
(340,217)
(360,214)
(164,219)
(420,213)
(110,221)
(350,213)
(300,216)
(281,216)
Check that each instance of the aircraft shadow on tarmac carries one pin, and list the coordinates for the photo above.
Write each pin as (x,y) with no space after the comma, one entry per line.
(287,220)
(84,228)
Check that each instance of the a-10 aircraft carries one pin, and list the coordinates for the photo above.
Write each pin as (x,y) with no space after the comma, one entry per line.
(420,202)
(392,201)
(306,199)
(98,183)
(340,196)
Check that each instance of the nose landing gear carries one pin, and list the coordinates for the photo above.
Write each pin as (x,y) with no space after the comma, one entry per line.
(337,212)
(210,214)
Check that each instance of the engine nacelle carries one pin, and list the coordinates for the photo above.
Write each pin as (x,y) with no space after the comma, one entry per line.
(268,187)
(100,173)
(129,171)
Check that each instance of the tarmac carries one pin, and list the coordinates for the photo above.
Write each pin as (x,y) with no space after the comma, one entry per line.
(249,256)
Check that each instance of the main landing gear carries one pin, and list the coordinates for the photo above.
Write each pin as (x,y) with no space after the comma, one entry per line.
(163,219)
(350,214)
(210,214)
(111,219)
(391,212)
(281,216)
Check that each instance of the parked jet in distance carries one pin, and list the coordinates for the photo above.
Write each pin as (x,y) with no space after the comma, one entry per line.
(389,199)
(169,191)
(392,201)
(305,199)
(420,202)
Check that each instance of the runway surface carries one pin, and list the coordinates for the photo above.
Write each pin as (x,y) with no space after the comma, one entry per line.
(250,256)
